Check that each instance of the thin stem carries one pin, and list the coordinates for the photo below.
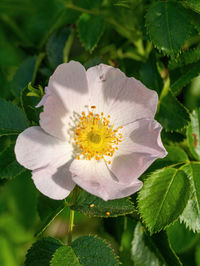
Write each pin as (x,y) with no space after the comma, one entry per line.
(68,45)
(82,10)
(71,217)
(70,228)
(39,59)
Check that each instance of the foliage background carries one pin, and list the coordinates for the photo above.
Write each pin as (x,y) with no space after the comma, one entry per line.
(157,42)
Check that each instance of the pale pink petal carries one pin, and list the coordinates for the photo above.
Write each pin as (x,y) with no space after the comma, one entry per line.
(124,99)
(55,119)
(44,98)
(69,84)
(95,177)
(141,145)
(55,183)
(104,83)
(35,149)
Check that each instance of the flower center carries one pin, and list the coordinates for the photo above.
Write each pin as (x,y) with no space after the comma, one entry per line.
(95,136)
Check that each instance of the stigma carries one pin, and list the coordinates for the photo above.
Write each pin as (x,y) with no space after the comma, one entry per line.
(95,136)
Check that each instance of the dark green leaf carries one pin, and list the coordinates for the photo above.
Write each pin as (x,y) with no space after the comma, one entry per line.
(9,168)
(23,76)
(91,250)
(88,4)
(42,251)
(193,134)
(55,46)
(151,251)
(181,238)
(28,104)
(191,214)
(48,210)
(93,206)
(150,76)
(183,76)
(90,29)
(170,108)
(163,198)
(12,119)
(65,256)
(186,58)
(168,26)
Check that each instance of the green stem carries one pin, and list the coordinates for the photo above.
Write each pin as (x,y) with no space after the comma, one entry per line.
(39,59)
(71,217)
(164,92)
(82,10)
(70,227)
(68,45)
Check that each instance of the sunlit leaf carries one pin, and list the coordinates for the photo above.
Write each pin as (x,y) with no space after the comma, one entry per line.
(65,256)
(193,134)
(163,198)
(94,206)
(191,214)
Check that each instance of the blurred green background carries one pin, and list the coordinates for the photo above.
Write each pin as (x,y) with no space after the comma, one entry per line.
(35,37)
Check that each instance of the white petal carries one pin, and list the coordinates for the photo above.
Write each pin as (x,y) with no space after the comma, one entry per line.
(124,99)
(104,83)
(69,83)
(141,145)
(35,149)
(55,119)
(95,177)
(55,183)
(134,102)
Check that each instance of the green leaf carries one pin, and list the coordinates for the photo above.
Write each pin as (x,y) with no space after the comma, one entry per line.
(88,4)
(175,155)
(42,251)
(28,104)
(185,58)
(48,210)
(95,207)
(197,255)
(151,251)
(181,238)
(23,76)
(90,29)
(181,77)
(171,107)
(193,134)
(193,4)
(12,119)
(168,26)
(191,214)
(150,76)
(163,198)
(55,46)
(91,250)
(9,168)
(65,256)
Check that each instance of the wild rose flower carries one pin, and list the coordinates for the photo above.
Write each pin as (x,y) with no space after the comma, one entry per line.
(96,130)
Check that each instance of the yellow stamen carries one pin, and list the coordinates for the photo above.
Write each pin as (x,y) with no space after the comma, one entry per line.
(95,136)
